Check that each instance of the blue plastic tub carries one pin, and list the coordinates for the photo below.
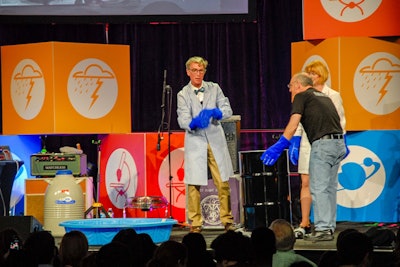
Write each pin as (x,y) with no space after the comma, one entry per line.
(102,231)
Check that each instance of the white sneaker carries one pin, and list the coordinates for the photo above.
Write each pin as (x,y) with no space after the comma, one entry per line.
(299,232)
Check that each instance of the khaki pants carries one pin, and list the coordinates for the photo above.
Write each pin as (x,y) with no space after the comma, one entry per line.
(224,195)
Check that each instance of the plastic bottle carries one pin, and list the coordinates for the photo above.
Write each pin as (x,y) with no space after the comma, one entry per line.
(110,213)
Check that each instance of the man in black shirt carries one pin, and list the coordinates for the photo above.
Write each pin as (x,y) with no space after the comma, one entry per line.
(321,122)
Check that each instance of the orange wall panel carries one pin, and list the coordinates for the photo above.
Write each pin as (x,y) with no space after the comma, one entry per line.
(65,88)
(366,71)
(324,19)
(144,171)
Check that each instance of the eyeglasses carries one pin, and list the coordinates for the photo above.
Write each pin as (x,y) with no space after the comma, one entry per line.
(201,71)
(313,73)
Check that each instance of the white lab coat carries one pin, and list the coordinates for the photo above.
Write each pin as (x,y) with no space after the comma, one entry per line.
(188,107)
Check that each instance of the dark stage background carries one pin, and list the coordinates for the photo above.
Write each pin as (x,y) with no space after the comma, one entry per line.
(250,60)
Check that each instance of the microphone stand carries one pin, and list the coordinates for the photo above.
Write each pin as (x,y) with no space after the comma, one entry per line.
(169,100)
(166,90)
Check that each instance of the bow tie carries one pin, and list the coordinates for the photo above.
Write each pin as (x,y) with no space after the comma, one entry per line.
(198,91)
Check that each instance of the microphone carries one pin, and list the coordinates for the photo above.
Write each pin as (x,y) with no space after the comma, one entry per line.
(165,88)
(159,141)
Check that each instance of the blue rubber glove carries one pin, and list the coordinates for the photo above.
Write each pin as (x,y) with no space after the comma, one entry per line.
(206,115)
(217,113)
(294,149)
(202,120)
(345,144)
(271,155)
(195,123)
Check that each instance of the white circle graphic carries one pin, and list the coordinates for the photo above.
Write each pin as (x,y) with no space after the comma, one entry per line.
(362,168)
(121,177)
(177,185)
(320,58)
(377,82)
(92,88)
(349,10)
(27,89)
(210,206)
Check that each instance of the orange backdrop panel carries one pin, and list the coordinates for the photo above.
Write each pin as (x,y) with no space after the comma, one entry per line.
(160,166)
(122,169)
(370,83)
(366,71)
(11,56)
(333,18)
(66,88)
(136,156)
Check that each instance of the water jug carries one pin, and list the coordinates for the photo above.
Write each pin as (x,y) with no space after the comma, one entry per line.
(63,201)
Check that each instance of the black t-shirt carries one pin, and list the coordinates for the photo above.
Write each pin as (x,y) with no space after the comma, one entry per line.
(318,114)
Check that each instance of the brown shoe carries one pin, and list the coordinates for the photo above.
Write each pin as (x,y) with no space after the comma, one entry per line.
(230,227)
(195,229)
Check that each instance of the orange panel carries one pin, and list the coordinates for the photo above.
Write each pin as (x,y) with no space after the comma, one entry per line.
(366,71)
(122,170)
(165,171)
(66,88)
(136,155)
(324,19)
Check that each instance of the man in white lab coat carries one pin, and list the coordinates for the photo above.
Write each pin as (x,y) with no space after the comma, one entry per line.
(200,107)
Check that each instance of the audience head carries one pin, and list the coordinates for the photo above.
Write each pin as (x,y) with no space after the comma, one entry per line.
(354,248)
(232,248)
(114,254)
(195,241)
(263,242)
(73,248)
(40,247)
(197,250)
(169,254)
(125,235)
(284,234)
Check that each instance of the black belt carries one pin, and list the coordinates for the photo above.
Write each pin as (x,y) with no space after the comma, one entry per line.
(332,136)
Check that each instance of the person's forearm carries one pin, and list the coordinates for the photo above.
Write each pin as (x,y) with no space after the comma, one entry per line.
(292,126)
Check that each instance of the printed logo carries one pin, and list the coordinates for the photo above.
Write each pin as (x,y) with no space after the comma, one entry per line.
(27,89)
(121,177)
(176,185)
(210,210)
(377,82)
(350,11)
(92,88)
(361,178)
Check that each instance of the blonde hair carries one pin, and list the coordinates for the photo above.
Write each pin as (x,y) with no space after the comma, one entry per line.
(319,68)
(198,60)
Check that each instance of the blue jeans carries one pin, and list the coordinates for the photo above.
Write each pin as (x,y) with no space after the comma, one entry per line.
(326,155)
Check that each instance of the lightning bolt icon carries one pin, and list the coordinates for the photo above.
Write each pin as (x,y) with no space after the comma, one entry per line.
(383,90)
(95,96)
(28,95)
